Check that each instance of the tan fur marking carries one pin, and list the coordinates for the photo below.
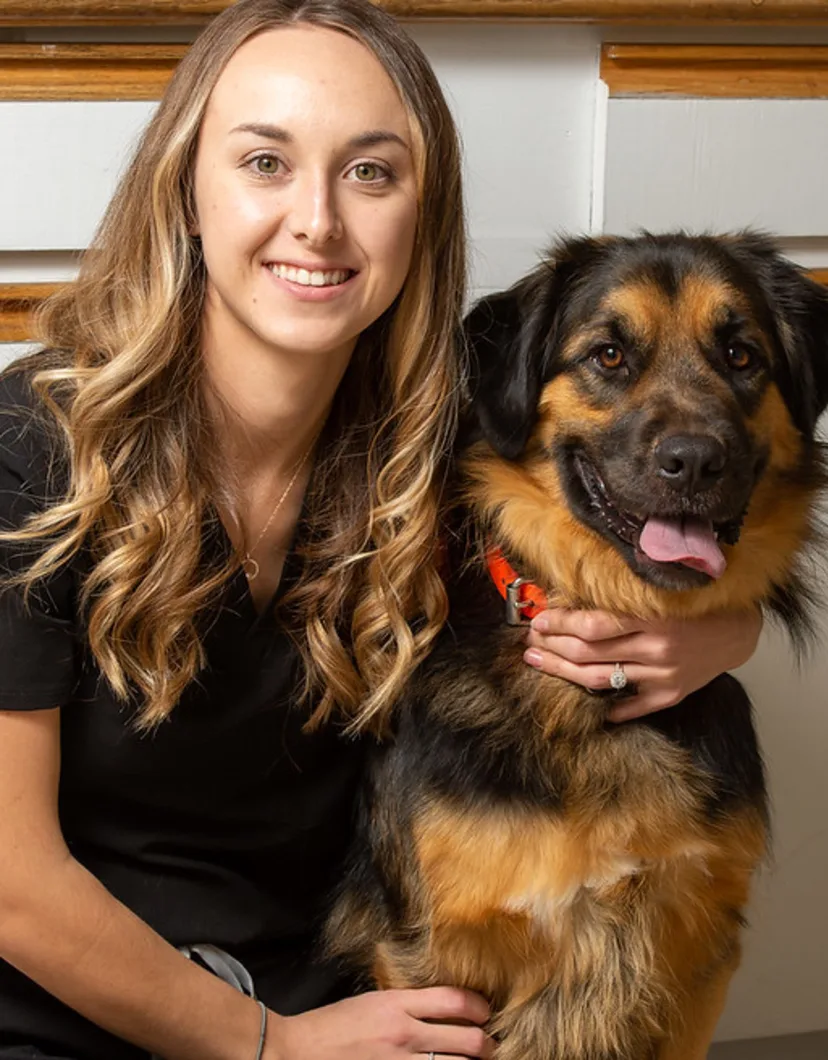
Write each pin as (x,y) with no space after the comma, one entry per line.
(675,908)
(700,1013)
(642,304)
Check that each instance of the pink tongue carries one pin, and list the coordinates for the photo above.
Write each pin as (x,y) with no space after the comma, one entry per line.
(688,541)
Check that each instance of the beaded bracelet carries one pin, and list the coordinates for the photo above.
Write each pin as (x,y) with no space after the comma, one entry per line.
(262,1030)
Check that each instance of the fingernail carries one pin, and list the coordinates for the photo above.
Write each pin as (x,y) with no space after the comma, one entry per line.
(533,657)
(540,624)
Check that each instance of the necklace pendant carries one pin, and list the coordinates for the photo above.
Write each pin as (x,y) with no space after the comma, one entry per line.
(250,567)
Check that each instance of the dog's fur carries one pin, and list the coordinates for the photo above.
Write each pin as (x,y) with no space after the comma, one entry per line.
(590,879)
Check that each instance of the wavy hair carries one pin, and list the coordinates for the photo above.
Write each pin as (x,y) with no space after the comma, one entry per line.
(122,378)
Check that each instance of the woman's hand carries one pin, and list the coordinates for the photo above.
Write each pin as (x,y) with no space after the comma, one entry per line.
(386,1025)
(665,660)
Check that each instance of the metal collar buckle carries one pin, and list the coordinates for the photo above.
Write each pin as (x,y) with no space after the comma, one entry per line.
(514,605)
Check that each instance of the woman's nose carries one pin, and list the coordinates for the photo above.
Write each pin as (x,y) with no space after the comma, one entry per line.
(314,216)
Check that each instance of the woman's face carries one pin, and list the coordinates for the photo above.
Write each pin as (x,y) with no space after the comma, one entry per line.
(305,193)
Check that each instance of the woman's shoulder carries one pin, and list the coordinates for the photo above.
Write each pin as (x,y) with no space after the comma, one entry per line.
(30,441)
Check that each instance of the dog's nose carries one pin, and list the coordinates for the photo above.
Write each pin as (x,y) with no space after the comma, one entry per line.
(690,462)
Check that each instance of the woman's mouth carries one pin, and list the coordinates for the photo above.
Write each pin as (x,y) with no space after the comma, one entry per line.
(310,277)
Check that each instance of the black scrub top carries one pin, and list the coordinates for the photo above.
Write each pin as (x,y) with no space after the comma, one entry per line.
(226,825)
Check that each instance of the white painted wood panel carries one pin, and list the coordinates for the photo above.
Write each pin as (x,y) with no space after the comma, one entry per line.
(10,351)
(524,99)
(65,161)
(717,164)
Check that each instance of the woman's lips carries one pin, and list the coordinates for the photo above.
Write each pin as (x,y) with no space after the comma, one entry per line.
(312,285)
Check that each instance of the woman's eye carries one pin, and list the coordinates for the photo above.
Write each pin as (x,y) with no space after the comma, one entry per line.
(369,172)
(610,357)
(266,165)
(739,357)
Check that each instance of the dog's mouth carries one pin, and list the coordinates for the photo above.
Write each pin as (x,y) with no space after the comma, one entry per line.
(687,545)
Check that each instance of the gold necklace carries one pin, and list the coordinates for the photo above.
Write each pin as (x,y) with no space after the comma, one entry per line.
(249,565)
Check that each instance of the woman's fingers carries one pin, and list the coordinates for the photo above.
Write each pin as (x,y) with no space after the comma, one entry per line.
(450,1022)
(446,1040)
(597,677)
(575,650)
(444,1003)
(585,625)
(666,659)
(654,689)
(387,1025)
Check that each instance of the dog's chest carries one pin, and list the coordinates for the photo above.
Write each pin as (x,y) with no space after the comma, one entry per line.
(547,873)
(546,901)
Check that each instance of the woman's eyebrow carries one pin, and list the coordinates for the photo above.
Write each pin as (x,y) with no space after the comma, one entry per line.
(376,137)
(269,132)
(372,138)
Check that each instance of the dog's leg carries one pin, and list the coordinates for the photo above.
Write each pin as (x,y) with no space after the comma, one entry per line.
(691,1038)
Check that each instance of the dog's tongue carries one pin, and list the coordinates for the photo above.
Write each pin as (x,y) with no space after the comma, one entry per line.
(688,541)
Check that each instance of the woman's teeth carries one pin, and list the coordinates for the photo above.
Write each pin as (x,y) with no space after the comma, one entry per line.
(317,278)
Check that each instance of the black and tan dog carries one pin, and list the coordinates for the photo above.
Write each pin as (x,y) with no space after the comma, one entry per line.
(645,413)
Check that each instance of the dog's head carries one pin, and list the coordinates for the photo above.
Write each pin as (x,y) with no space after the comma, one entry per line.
(645,413)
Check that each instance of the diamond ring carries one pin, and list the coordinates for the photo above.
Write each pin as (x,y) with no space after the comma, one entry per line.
(618,679)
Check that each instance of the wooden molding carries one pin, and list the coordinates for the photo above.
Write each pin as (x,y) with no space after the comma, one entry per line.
(86,71)
(142,71)
(820,275)
(741,71)
(663,12)
(18,301)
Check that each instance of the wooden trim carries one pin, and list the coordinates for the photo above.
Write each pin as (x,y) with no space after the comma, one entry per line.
(641,12)
(820,275)
(742,71)
(18,301)
(87,71)
(142,71)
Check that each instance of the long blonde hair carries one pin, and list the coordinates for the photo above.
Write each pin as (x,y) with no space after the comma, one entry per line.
(121,376)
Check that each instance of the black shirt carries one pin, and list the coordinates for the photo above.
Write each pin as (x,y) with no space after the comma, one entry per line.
(226,825)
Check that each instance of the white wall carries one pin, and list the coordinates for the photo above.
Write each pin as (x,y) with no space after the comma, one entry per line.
(524,98)
(537,131)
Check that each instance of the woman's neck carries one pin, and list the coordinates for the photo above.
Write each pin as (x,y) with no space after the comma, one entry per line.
(269,405)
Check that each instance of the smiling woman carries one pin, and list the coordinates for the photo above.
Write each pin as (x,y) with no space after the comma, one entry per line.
(219,487)
(307,220)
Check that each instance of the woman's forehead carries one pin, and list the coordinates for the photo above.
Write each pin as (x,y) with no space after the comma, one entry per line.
(298,77)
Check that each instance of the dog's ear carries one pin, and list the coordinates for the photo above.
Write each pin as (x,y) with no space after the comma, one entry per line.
(799,307)
(803,306)
(510,336)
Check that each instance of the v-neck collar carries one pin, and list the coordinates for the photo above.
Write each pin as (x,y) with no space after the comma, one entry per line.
(239,587)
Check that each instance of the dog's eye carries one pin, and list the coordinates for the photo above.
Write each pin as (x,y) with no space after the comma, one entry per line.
(610,357)
(739,357)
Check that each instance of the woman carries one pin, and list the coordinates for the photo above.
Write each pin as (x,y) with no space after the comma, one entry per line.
(246,400)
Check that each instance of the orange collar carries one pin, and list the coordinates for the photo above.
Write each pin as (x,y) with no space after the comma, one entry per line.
(523,599)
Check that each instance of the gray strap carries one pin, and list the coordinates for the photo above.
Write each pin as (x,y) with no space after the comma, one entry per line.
(224,966)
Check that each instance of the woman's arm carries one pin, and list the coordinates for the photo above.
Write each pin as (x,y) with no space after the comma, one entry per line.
(666,660)
(62,928)
(59,925)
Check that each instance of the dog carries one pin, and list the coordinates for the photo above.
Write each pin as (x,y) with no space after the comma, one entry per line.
(641,439)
